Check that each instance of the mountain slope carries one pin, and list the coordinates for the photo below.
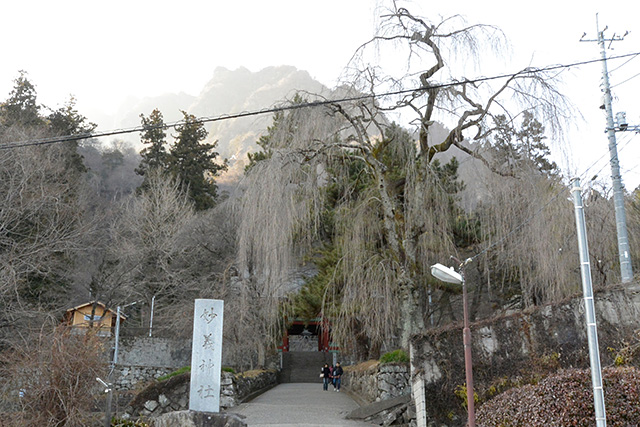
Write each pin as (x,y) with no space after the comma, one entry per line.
(228,92)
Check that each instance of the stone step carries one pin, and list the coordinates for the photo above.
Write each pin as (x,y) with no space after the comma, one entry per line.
(303,366)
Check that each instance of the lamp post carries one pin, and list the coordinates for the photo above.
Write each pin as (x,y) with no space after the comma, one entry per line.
(449,275)
(115,351)
(153,303)
(114,362)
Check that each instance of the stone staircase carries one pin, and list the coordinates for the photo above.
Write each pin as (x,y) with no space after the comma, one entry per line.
(303,366)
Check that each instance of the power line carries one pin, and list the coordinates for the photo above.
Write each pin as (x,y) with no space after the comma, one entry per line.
(583,175)
(312,104)
(623,64)
(622,82)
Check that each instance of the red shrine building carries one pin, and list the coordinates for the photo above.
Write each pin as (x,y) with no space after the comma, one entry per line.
(308,335)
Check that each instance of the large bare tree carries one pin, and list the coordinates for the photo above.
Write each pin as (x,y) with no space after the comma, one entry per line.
(392,228)
(429,88)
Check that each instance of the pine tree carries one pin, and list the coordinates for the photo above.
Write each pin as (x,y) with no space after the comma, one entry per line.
(66,120)
(281,124)
(21,108)
(524,148)
(192,162)
(531,137)
(154,154)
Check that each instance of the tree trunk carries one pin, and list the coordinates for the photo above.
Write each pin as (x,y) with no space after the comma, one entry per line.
(412,313)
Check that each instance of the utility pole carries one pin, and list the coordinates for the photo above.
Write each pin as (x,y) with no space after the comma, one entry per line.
(589,306)
(624,252)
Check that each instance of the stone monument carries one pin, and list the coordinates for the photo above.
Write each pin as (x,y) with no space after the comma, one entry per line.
(206,356)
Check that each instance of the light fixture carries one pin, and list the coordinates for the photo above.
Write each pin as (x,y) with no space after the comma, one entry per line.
(449,275)
(446,274)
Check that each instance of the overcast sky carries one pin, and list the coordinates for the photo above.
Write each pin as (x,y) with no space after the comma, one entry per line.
(103,52)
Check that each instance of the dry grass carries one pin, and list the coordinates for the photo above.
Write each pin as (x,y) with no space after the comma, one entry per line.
(56,370)
(362,367)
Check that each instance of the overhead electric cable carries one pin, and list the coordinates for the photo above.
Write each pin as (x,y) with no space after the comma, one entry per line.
(68,138)
(623,64)
(622,82)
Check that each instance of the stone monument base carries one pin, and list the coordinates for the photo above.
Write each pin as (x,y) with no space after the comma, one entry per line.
(198,419)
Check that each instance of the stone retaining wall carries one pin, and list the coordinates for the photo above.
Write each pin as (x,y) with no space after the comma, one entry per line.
(154,351)
(519,346)
(130,377)
(173,394)
(236,388)
(375,382)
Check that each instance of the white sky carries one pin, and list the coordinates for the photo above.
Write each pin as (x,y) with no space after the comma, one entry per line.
(102,52)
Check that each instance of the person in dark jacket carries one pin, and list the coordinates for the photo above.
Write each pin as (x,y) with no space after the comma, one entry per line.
(337,376)
(326,377)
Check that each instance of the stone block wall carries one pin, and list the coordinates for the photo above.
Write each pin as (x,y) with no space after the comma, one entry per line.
(300,343)
(375,382)
(236,388)
(132,377)
(173,394)
(153,351)
(518,346)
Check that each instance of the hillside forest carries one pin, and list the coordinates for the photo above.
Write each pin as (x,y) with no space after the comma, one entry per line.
(339,212)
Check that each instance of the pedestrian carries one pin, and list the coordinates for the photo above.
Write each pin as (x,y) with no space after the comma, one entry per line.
(337,376)
(326,376)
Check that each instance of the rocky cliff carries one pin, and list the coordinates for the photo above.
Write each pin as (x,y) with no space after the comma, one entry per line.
(228,92)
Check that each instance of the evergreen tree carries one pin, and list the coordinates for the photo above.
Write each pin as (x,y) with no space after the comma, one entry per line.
(524,148)
(67,121)
(154,154)
(531,137)
(192,162)
(281,125)
(264,142)
(21,108)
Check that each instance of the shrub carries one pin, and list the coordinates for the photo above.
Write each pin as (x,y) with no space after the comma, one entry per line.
(566,398)
(185,369)
(54,374)
(174,373)
(396,356)
(461,393)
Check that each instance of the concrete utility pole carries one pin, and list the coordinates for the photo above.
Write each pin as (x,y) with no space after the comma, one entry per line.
(624,252)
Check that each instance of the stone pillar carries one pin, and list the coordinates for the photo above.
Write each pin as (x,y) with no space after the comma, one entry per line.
(206,356)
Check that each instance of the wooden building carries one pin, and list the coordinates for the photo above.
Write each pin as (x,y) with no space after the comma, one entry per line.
(80,317)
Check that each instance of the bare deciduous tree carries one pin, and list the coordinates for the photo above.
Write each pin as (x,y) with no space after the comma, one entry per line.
(49,379)
(391,235)
(146,240)
(533,224)
(41,227)
(470,106)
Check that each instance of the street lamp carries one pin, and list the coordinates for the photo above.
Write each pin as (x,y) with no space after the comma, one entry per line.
(114,362)
(115,352)
(449,275)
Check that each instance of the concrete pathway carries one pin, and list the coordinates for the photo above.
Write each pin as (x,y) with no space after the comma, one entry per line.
(299,404)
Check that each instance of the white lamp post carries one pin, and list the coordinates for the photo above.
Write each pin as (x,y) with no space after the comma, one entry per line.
(449,275)
(114,362)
